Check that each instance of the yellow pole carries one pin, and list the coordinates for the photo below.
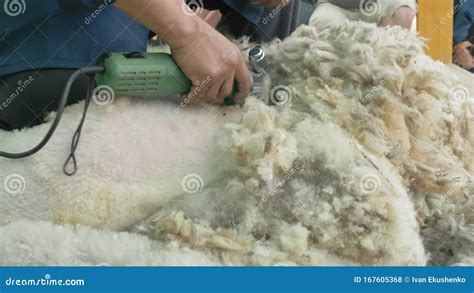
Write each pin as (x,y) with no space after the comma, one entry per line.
(435,23)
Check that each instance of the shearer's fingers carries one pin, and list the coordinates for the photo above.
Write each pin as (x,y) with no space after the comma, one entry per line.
(244,81)
(197,93)
(211,94)
(213,18)
(226,88)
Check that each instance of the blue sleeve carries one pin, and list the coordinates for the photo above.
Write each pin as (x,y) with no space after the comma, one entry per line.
(17,14)
(83,5)
(463,19)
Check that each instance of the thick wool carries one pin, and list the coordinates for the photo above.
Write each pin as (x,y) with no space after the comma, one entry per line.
(369,162)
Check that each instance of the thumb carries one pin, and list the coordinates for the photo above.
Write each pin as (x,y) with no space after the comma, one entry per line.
(213,18)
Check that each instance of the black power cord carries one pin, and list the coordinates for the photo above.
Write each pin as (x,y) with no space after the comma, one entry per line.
(89,71)
(77,133)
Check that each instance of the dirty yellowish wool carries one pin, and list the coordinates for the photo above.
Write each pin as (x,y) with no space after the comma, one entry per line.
(371,162)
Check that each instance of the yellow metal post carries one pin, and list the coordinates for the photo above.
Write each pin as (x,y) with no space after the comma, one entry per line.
(435,23)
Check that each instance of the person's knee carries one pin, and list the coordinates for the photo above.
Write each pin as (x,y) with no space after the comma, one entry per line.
(327,14)
(404,17)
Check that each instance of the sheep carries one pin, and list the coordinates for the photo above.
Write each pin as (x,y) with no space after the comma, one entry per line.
(368,160)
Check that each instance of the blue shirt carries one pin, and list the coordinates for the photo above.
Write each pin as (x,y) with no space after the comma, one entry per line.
(463,19)
(251,12)
(72,34)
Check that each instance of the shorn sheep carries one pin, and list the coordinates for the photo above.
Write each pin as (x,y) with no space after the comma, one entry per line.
(368,161)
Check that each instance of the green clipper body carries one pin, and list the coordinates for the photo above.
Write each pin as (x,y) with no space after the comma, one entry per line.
(143,75)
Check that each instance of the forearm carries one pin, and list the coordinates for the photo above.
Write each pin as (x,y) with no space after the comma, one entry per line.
(164,17)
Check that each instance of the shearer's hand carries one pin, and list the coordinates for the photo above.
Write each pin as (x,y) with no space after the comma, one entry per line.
(462,55)
(210,60)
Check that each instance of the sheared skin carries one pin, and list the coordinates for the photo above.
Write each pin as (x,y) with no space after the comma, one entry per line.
(283,185)
(131,158)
